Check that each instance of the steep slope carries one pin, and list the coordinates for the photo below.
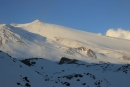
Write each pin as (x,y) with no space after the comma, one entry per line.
(48,55)
(13,73)
(38,72)
(51,31)
(61,41)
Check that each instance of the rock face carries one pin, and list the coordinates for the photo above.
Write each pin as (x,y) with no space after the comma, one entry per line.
(86,51)
(64,60)
(90,53)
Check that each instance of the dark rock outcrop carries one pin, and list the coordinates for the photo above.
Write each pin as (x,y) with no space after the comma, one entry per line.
(28,62)
(64,60)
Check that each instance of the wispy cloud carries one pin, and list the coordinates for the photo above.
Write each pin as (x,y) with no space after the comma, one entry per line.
(119,33)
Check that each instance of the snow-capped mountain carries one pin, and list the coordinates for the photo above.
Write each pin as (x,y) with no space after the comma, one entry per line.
(38,54)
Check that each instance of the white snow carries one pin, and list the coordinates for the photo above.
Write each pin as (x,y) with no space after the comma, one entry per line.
(50,43)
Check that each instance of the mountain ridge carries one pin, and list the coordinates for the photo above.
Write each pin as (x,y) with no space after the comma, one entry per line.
(38,54)
(48,33)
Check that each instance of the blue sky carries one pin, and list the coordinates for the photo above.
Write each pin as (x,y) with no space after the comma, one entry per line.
(95,16)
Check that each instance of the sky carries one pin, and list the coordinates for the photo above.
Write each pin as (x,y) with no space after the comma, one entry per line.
(95,16)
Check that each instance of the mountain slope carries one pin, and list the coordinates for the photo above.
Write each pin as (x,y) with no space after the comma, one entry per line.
(51,31)
(48,55)
(48,38)
(38,72)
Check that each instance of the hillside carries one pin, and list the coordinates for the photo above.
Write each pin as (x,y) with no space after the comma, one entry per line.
(38,54)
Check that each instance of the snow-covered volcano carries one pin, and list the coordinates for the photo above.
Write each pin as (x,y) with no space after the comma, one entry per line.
(61,57)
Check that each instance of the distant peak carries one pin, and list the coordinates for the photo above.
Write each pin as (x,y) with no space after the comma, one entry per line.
(37,21)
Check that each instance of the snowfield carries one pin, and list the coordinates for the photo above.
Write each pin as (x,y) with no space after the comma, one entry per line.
(38,54)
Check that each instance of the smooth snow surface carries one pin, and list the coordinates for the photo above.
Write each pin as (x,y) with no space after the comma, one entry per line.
(102,60)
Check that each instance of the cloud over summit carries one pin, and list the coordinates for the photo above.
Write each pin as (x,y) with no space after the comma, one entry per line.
(118,33)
